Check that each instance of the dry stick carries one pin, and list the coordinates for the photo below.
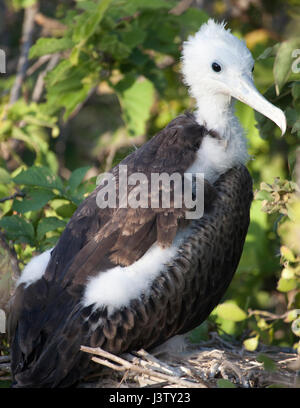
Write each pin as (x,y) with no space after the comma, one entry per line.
(158,363)
(152,359)
(181,7)
(5,368)
(50,24)
(13,258)
(145,371)
(151,365)
(26,41)
(4,359)
(39,86)
(125,365)
(41,61)
(267,315)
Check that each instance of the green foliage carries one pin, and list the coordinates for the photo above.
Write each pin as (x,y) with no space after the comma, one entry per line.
(125,54)
(18,4)
(38,218)
(222,383)
(285,92)
(269,364)
(251,344)
(230,311)
(136,98)
(52,45)
(108,36)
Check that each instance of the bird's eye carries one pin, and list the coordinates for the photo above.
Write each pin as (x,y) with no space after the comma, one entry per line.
(252,68)
(216,67)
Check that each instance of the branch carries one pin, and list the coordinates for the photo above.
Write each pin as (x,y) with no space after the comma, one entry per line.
(120,364)
(181,7)
(26,41)
(50,25)
(39,86)
(267,315)
(11,197)
(34,67)
(13,271)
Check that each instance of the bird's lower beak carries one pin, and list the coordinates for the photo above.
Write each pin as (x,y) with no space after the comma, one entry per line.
(244,90)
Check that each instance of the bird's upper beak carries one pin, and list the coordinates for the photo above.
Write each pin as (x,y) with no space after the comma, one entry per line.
(243,89)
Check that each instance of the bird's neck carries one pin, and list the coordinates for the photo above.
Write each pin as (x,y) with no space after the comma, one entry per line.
(216,112)
(216,156)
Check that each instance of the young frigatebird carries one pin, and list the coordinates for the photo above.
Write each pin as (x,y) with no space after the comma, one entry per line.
(125,278)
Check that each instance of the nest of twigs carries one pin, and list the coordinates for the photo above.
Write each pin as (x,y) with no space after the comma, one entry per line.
(205,365)
(210,364)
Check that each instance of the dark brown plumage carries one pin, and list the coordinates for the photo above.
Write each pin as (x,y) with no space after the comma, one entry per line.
(48,323)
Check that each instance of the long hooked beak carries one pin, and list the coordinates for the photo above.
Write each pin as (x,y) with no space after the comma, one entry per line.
(244,90)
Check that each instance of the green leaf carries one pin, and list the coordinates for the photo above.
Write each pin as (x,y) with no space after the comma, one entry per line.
(133,37)
(285,285)
(132,6)
(192,19)
(77,177)
(269,364)
(23,3)
(136,99)
(45,46)
(296,126)
(296,90)
(200,333)
(231,311)
(68,98)
(269,52)
(291,116)
(296,327)
(292,315)
(48,224)
(222,383)
(251,343)
(287,253)
(110,43)
(88,22)
(276,385)
(5,384)
(18,229)
(263,195)
(63,208)
(283,62)
(39,176)
(4,176)
(33,200)
(59,73)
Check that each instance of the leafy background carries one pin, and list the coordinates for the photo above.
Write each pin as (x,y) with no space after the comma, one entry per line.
(96,79)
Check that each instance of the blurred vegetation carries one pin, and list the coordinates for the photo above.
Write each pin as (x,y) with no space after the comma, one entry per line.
(103,76)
